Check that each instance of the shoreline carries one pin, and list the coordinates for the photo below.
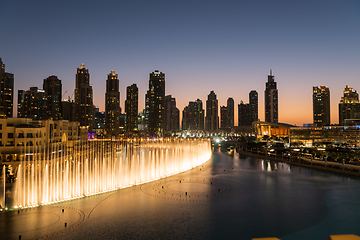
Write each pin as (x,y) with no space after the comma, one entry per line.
(334,167)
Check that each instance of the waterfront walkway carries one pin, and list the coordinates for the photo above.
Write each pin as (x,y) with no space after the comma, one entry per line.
(305,162)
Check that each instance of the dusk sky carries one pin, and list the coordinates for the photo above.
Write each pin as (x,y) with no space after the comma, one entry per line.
(225,46)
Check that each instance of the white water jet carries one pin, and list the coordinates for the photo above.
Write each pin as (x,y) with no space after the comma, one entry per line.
(94,167)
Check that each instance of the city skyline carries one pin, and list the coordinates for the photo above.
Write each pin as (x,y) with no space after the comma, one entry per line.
(228,48)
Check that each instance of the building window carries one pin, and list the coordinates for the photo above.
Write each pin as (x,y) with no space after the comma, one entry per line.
(10,135)
(29,135)
(21,135)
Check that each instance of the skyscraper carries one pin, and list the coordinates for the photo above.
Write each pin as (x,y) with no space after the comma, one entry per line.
(244,114)
(156,96)
(193,116)
(321,106)
(53,89)
(271,100)
(212,117)
(230,113)
(6,91)
(172,115)
(35,104)
(349,106)
(84,108)
(223,117)
(112,104)
(248,112)
(21,95)
(131,108)
(253,101)
(68,109)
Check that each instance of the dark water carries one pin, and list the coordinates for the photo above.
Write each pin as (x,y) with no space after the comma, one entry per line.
(251,198)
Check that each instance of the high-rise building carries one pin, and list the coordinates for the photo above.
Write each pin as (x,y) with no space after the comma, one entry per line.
(21,94)
(68,110)
(321,106)
(53,88)
(35,104)
(253,101)
(146,111)
(193,116)
(230,113)
(244,114)
(212,116)
(172,115)
(223,117)
(271,100)
(156,97)
(185,125)
(131,108)
(84,108)
(99,119)
(112,104)
(349,106)
(6,91)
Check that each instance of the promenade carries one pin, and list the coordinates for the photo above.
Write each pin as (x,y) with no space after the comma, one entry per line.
(336,167)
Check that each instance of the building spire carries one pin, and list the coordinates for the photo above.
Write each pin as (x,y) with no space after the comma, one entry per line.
(270,72)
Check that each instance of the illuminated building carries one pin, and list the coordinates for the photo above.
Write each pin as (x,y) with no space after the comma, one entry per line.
(271,100)
(253,101)
(321,106)
(15,133)
(53,89)
(131,108)
(156,96)
(230,113)
(212,116)
(35,104)
(6,91)
(112,104)
(349,106)
(337,135)
(279,130)
(21,94)
(193,116)
(84,108)
(172,115)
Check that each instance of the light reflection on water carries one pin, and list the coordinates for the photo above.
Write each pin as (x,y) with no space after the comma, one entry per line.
(258,198)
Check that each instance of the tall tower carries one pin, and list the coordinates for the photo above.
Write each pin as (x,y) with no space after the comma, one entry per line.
(172,115)
(53,89)
(35,104)
(212,116)
(321,106)
(156,96)
(84,108)
(6,91)
(21,95)
(271,100)
(230,113)
(253,101)
(349,106)
(193,116)
(223,117)
(112,104)
(131,108)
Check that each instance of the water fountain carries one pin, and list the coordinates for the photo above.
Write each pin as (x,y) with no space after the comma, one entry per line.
(94,167)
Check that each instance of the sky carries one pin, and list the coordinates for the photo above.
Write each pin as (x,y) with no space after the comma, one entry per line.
(225,46)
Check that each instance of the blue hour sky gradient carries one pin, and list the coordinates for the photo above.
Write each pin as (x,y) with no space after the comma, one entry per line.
(225,46)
